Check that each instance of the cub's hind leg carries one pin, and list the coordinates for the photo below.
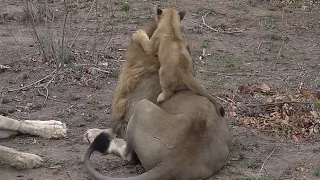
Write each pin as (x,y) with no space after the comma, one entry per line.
(167,82)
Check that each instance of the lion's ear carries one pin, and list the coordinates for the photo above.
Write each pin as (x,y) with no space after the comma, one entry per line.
(182,14)
(159,11)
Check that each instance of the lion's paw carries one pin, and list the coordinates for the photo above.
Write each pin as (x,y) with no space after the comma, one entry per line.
(138,35)
(47,129)
(23,160)
(91,134)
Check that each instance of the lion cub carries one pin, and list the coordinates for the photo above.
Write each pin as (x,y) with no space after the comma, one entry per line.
(175,60)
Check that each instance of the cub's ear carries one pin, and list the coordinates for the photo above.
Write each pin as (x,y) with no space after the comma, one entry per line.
(159,11)
(182,14)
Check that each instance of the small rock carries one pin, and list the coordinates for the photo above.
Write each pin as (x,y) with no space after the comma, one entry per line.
(3,112)
(5,101)
(82,125)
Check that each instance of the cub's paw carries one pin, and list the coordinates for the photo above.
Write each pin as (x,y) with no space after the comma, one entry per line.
(139,34)
(161,98)
(91,134)
(23,160)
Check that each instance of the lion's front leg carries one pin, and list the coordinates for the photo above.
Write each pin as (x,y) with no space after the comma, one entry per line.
(148,45)
(20,160)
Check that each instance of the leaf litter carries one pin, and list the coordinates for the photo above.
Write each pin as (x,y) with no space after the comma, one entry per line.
(296,116)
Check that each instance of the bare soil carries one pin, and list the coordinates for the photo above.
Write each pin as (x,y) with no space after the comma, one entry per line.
(245,42)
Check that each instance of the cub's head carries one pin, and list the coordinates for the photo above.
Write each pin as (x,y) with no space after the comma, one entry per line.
(169,12)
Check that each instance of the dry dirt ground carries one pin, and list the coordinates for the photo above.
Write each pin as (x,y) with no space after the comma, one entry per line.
(245,42)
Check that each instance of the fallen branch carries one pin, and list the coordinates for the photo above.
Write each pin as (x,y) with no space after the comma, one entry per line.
(32,84)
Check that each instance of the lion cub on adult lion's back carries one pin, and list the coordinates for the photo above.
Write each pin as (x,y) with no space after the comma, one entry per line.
(175,60)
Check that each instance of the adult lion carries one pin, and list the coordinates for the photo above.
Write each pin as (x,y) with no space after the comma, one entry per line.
(183,138)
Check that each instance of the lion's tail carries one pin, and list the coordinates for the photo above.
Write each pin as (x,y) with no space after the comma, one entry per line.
(101,144)
(194,85)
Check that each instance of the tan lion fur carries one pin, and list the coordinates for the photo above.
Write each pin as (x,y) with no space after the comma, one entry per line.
(176,62)
(169,139)
(138,65)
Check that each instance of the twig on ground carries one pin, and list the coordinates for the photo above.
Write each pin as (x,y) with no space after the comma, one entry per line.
(215,29)
(221,99)
(232,32)
(101,70)
(277,103)
(85,19)
(279,53)
(230,100)
(300,85)
(4,67)
(47,91)
(32,84)
(54,99)
(248,74)
(206,25)
(266,160)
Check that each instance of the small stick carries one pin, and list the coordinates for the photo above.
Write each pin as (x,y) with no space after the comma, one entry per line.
(280,50)
(216,30)
(100,70)
(206,25)
(54,99)
(221,99)
(47,91)
(266,160)
(8,67)
(276,103)
(32,84)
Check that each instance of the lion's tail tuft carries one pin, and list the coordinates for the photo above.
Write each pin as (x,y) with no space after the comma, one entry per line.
(101,143)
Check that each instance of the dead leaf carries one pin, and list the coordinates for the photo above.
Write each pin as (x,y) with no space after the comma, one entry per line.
(264,88)
(305,93)
(91,70)
(314,114)
(316,129)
